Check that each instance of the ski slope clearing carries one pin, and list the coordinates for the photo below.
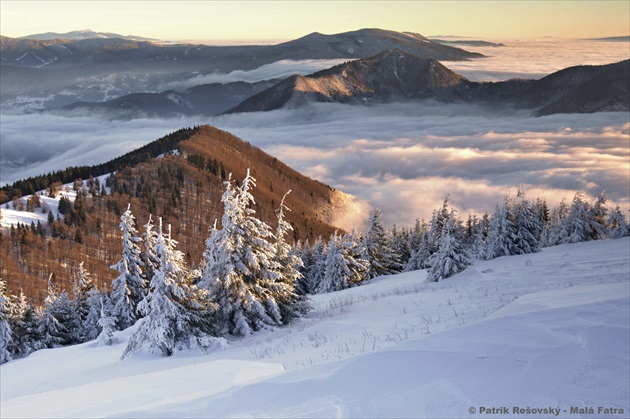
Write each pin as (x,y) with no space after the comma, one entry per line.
(545,331)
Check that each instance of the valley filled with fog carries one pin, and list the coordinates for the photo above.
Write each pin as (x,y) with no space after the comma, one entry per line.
(401,157)
(533,59)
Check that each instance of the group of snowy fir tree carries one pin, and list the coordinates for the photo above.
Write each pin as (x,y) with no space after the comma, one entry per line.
(519,226)
(25,328)
(251,278)
(248,281)
(447,245)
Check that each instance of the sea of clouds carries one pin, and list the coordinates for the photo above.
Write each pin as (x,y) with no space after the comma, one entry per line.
(402,158)
(534,59)
(405,158)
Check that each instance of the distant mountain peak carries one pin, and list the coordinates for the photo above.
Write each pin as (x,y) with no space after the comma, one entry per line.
(391,75)
(368,42)
(82,34)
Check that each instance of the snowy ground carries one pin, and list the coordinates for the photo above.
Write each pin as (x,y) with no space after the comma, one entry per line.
(12,215)
(543,331)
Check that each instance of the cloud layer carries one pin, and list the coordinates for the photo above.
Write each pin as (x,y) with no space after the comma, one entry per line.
(403,158)
(406,158)
(534,59)
(36,144)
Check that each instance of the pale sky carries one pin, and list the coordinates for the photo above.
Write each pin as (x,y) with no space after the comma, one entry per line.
(207,20)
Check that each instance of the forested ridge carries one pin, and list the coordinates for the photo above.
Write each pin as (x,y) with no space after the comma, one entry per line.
(178,178)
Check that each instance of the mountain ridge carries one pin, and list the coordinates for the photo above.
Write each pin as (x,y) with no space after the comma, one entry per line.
(100,69)
(362,43)
(233,155)
(371,80)
(368,42)
(205,99)
(395,75)
(83,34)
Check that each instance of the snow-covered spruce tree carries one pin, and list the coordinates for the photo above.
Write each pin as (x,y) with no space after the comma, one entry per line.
(379,250)
(177,312)
(415,235)
(435,227)
(421,256)
(502,231)
(617,225)
(345,266)
(59,324)
(314,259)
(480,237)
(438,219)
(451,256)
(149,259)
(333,273)
(469,229)
(129,288)
(86,305)
(304,252)
(91,326)
(50,328)
(542,212)
(283,289)
(300,284)
(599,217)
(239,259)
(66,315)
(553,232)
(107,324)
(82,285)
(25,327)
(577,226)
(527,224)
(400,244)
(6,335)
(320,253)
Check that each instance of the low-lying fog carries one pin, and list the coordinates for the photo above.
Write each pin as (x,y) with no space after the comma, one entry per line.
(534,59)
(406,158)
(403,158)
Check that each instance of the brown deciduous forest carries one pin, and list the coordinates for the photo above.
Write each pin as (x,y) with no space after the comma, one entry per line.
(183,187)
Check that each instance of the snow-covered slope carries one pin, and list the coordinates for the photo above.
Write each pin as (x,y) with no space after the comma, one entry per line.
(12,215)
(539,331)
